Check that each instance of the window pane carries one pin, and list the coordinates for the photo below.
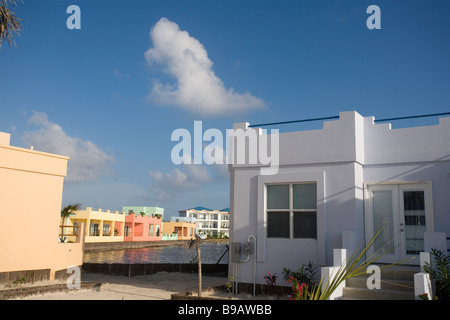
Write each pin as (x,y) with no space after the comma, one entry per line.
(278,196)
(414,200)
(278,224)
(305,196)
(150,230)
(305,225)
(415,226)
(106,229)
(383,216)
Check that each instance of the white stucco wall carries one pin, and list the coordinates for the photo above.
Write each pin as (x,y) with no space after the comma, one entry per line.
(341,158)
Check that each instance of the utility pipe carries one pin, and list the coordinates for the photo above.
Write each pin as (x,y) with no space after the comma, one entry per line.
(254,263)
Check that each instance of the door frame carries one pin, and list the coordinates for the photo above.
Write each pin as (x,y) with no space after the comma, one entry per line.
(399,235)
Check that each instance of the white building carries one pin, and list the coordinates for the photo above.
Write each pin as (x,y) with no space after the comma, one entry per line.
(335,187)
(209,222)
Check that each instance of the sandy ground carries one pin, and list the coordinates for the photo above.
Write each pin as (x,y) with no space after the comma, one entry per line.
(159,286)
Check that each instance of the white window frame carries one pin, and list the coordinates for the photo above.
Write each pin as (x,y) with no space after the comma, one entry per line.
(291,209)
(317,177)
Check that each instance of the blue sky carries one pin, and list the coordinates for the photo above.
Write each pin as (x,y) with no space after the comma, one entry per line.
(111,94)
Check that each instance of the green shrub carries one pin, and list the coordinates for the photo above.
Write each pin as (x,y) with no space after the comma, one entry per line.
(305,274)
(439,272)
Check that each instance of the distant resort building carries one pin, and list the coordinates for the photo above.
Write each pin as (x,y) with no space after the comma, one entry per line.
(143,223)
(214,223)
(142,227)
(101,225)
(148,211)
(134,224)
(182,227)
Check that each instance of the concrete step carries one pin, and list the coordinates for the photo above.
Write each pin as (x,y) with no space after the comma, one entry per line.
(385,284)
(374,294)
(397,283)
(399,272)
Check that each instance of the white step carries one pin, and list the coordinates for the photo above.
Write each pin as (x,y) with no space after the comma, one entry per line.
(397,283)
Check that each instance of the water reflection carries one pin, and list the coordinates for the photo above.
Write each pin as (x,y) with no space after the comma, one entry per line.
(210,252)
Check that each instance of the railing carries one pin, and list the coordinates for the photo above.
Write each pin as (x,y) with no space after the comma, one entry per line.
(94,233)
(103,211)
(68,231)
(169,236)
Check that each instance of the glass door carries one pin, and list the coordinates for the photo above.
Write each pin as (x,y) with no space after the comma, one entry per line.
(404,214)
(381,214)
(415,214)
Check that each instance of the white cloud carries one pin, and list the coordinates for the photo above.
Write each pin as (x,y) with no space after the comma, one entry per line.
(168,185)
(197,88)
(87,161)
(186,178)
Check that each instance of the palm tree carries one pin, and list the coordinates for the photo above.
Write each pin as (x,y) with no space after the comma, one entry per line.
(197,241)
(66,212)
(9,23)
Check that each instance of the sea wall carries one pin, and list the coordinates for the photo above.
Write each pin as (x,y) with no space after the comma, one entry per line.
(98,246)
(137,269)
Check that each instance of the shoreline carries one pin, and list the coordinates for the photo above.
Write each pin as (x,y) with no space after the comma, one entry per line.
(143,269)
(106,246)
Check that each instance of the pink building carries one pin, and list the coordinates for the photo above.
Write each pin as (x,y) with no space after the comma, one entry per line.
(142,228)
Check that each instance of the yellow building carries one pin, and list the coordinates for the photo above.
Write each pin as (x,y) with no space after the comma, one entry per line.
(101,226)
(31,187)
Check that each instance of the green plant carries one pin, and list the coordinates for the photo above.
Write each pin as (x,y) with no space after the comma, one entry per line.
(9,22)
(69,210)
(426,297)
(356,265)
(271,279)
(299,289)
(66,212)
(439,272)
(229,286)
(20,281)
(305,274)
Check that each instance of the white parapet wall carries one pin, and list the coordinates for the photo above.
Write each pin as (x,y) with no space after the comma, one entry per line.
(328,273)
(422,285)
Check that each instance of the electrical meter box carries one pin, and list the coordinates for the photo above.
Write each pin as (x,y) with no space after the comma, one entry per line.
(247,248)
(235,251)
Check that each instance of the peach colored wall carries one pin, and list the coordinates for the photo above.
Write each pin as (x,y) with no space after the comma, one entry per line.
(31,186)
(140,228)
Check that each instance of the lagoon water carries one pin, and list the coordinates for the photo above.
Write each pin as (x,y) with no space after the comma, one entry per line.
(210,253)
